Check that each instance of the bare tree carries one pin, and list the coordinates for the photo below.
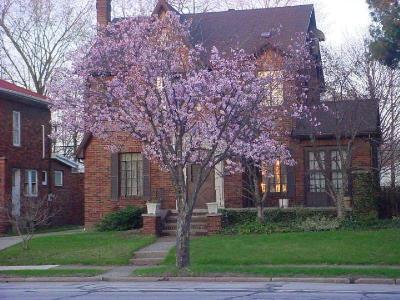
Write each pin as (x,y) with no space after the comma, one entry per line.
(35,36)
(32,214)
(251,4)
(352,114)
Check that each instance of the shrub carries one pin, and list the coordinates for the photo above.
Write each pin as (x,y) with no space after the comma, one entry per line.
(365,196)
(234,217)
(319,223)
(127,218)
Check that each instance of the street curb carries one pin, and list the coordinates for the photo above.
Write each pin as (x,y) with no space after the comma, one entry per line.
(336,280)
(50,279)
(375,281)
(342,280)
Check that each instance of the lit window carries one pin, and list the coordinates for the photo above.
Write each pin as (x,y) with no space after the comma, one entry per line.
(274,87)
(16,128)
(277,183)
(58,178)
(131,174)
(31,183)
(160,83)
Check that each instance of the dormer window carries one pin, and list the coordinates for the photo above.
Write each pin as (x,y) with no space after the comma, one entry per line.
(160,84)
(274,87)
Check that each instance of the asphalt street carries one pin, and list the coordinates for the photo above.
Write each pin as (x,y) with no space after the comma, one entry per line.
(195,291)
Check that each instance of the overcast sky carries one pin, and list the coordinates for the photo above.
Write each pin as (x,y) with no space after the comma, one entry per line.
(342,19)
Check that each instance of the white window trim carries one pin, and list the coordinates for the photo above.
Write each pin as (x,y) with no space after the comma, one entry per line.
(30,192)
(62,178)
(44,181)
(16,128)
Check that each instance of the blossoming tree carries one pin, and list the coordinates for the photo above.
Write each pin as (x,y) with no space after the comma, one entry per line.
(187,105)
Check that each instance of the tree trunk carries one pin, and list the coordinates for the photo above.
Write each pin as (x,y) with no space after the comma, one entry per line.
(183,237)
(260,212)
(340,207)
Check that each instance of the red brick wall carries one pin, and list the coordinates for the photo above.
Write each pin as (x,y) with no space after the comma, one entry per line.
(69,197)
(98,200)
(29,154)
(233,191)
(362,158)
(3,218)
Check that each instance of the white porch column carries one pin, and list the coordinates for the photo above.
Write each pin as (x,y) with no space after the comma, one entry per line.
(219,185)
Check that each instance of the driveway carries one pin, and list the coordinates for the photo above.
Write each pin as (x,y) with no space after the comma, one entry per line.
(196,291)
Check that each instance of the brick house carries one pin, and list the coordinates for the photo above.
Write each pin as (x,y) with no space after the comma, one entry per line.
(26,165)
(113,181)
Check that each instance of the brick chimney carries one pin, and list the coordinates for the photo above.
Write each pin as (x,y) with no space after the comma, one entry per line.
(103,8)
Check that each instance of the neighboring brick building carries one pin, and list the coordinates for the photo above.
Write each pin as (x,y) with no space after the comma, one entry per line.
(113,181)
(25,150)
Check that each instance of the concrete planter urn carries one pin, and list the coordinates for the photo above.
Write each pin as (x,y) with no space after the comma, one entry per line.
(283,203)
(212,208)
(153,208)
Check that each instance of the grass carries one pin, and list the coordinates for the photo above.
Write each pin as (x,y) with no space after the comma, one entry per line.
(329,253)
(263,271)
(380,247)
(47,230)
(88,248)
(52,273)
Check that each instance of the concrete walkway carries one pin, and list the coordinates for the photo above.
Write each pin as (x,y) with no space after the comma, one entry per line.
(17,268)
(155,253)
(9,241)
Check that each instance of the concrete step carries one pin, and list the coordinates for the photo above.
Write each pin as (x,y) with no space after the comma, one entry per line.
(146,261)
(151,254)
(192,226)
(195,218)
(196,232)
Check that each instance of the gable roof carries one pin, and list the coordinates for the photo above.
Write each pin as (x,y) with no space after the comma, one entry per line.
(18,93)
(244,28)
(69,163)
(346,117)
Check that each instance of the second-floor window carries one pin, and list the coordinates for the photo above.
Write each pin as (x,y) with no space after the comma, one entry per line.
(58,178)
(131,174)
(16,128)
(274,87)
(31,183)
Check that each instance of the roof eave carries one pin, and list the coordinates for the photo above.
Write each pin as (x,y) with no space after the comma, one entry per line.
(34,99)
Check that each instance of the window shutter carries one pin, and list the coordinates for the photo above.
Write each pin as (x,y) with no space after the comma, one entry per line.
(114,176)
(291,182)
(146,179)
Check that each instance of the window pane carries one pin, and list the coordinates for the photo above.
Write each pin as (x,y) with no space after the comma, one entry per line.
(317,182)
(131,174)
(274,87)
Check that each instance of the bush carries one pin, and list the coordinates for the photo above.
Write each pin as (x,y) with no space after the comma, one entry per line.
(127,218)
(319,223)
(234,217)
(365,198)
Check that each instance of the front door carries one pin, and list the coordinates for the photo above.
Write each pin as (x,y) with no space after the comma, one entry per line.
(207,191)
(16,191)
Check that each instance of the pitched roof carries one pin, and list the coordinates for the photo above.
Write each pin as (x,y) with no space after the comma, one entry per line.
(19,93)
(244,28)
(347,117)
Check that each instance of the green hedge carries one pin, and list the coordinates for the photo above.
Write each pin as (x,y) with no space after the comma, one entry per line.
(234,217)
(127,218)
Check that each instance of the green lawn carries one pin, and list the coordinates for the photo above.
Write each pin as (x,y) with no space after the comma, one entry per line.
(380,247)
(53,273)
(88,248)
(267,271)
